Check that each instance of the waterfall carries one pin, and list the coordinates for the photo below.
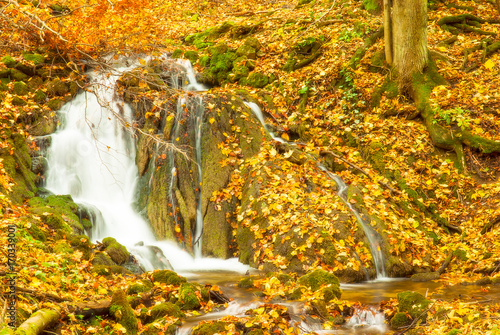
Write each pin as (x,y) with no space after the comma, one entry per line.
(92,158)
(371,234)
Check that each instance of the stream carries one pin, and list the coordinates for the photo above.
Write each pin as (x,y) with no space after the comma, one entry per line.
(92,158)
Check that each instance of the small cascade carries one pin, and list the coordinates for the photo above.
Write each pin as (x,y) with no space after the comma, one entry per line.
(371,234)
(369,319)
(198,122)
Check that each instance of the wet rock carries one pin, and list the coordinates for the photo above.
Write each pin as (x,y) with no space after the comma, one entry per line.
(117,252)
(318,278)
(164,309)
(123,313)
(139,286)
(168,277)
(412,304)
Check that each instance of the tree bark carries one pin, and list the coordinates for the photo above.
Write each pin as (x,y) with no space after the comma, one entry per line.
(38,321)
(409,23)
(388,32)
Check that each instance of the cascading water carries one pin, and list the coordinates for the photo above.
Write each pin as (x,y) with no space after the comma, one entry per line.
(371,234)
(92,158)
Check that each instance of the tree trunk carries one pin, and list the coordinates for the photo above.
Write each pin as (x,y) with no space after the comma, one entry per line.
(37,322)
(409,31)
(388,32)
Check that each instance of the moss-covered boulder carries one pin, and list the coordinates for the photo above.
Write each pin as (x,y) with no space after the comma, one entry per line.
(168,277)
(246,282)
(139,286)
(57,87)
(412,304)
(163,309)
(257,80)
(192,56)
(17,101)
(123,313)
(188,299)
(101,258)
(247,52)
(210,328)
(9,61)
(20,88)
(318,278)
(117,252)
(59,212)
(55,104)
(36,59)
(81,243)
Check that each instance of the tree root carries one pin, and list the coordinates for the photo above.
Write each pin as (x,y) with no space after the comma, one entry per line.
(465,23)
(488,226)
(488,46)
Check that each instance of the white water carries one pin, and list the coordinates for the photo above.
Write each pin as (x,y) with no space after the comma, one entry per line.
(92,158)
(371,234)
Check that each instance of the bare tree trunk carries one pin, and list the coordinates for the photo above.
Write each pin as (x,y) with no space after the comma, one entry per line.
(388,32)
(409,23)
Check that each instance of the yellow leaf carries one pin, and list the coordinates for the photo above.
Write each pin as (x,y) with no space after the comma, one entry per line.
(489,64)
(142,61)
(285,137)
(212,120)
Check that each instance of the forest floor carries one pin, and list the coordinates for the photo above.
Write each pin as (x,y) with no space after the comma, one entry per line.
(334,102)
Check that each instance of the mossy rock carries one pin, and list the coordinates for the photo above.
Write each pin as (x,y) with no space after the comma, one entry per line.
(17,101)
(168,277)
(177,53)
(253,42)
(36,232)
(62,247)
(295,294)
(123,313)
(40,97)
(163,309)
(257,80)
(9,61)
(192,56)
(102,259)
(82,243)
(331,293)
(35,58)
(413,303)
(247,52)
(57,88)
(188,299)
(317,278)
(139,286)
(210,328)
(246,282)
(55,104)
(18,75)
(20,88)
(218,49)
(425,276)
(117,252)
(400,320)
(204,61)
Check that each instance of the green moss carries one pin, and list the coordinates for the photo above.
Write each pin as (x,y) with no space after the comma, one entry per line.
(17,101)
(331,293)
(55,104)
(177,53)
(204,61)
(210,328)
(246,282)
(82,243)
(35,58)
(413,303)
(17,75)
(461,255)
(123,313)
(37,233)
(188,300)
(257,80)
(372,6)
(62,247)
(168,277)
(192,56)
(20,88)
(454,332)
(400,320)
(40,97)
(9,61)
(163,309)
(57,87)
(247,52)
(253,42)
(118,253)
(102,259)
(139,287)
(317,278)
